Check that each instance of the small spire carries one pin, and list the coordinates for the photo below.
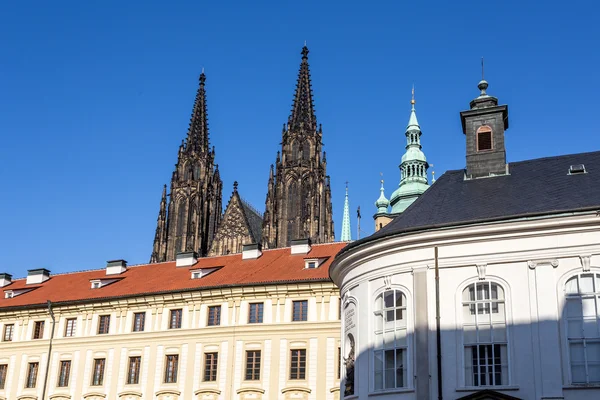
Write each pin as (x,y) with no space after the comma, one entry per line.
(412,121)
(235,186)
(412,101)
(432,174)
(382,202)
(482,85)
(346,232)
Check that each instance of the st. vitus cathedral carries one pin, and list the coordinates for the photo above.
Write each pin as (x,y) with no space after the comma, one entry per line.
(298,203)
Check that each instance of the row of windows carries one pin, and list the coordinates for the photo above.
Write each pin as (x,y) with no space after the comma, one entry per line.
(297,369)
(255,316)
(485,335)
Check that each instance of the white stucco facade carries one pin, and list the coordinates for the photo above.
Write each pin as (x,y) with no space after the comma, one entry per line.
(539,348)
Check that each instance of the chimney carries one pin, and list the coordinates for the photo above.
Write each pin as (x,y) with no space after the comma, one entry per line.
(251,251)
(116,267)
(5,279)
(37,276)
(186,259)
(301,246)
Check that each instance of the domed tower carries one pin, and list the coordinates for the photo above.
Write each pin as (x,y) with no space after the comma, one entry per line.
(382,217)
(413,167)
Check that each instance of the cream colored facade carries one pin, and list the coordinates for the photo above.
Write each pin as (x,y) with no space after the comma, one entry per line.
(275,337)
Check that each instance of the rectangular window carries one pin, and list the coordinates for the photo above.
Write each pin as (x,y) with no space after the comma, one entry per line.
(171,368)
(214,315)
(38,330)
(9,329)
(98,372)
(300,311)
(210,366)
(32,372)
(139,321)
(63,376)
(339,363)
(255,315)
(3,371)
(298,364)
(253,365)
(175,320)
(103,324)
(133,372)
(70,327)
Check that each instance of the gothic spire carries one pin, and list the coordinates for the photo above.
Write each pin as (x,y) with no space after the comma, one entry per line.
(346,232)
(160,236)
(197,139)
(303,112)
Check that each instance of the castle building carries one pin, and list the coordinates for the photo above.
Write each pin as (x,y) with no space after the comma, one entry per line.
(298,203)
(192,217)
(248,326)
(487,286)
(413,175)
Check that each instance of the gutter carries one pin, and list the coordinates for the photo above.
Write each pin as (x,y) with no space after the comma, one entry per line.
(49,350)
(438,331)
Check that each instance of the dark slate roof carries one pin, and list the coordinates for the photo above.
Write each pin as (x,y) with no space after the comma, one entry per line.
(254,221)
(533,187)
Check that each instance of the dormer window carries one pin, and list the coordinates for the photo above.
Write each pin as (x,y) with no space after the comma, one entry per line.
(100,283)
(312,263)
(9,294)
(484,138)
(96,285)
(202,272)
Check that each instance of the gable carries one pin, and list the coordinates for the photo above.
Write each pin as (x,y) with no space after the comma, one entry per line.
(488,395)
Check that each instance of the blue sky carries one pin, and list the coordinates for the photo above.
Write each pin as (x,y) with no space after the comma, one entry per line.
(95,97)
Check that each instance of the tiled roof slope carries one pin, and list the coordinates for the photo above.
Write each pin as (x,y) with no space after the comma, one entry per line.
(255,221)
(532,188)
(274,266)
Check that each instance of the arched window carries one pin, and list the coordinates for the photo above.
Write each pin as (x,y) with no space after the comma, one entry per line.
(484,335)
(390,345)
(581,309)
(484,138)
(181,213)
(295,149)
(292,200)
(306,150)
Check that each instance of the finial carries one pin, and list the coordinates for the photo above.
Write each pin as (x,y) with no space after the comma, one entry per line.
(304,52)
(346,188)
(202,77)
(235,186)
(483,85)
(412,101)
(432,173)
(305,43)
(381,173)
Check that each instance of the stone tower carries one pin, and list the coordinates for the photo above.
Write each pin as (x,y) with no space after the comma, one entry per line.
(298,203)
(194,212)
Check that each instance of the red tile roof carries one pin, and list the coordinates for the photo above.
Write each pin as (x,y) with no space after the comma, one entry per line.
(274,266)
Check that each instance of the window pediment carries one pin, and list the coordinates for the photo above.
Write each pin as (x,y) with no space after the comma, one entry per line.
(130,395)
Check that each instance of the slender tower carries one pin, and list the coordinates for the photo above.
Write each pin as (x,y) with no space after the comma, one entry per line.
(413,167)
(346,231)
(194,211)
(298,203)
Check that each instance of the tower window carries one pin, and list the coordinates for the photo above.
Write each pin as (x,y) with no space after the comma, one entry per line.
(484,138)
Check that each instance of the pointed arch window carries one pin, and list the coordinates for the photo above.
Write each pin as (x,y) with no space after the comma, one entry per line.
(181,208)
(306,150)
(583,327)
(484,138)
(485,336)
(390,350)
(295,150)
(292,200)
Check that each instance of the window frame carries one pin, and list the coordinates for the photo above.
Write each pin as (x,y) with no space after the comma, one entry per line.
(256,316)
(98,367)
(10,329)
(211,366)
(175,318)
(252,365)
(103,324)
(171,368)
(3,375)
(141,325)
(303,310)
(507,321)
(484,129)
(64,373)
(134,367)
(38,330)
(72,330)
(213,315)
(301,364)
(406,351)
(33,369)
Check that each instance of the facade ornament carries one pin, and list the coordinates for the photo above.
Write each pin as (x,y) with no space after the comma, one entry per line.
(585,262)
(481,268)
(387,281)
(533,264)
(345,298)
(349,365)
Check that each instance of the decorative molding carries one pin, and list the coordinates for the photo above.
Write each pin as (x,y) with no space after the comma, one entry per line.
(295,389)
(585,262)
(533,264)
(387,281)
(94,394)
(168,391)
(129,393)
(59,396)
(345,298)
(334,389)
(250,389)
(207,391)
(27,397)
(481,268)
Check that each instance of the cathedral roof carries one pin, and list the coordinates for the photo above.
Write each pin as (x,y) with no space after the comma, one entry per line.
(537,187)
(275,266)
(254,220)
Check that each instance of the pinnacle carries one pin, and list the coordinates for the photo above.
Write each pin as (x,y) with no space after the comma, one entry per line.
(303,114)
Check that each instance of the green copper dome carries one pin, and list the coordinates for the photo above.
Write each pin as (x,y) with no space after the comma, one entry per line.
(382,203)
